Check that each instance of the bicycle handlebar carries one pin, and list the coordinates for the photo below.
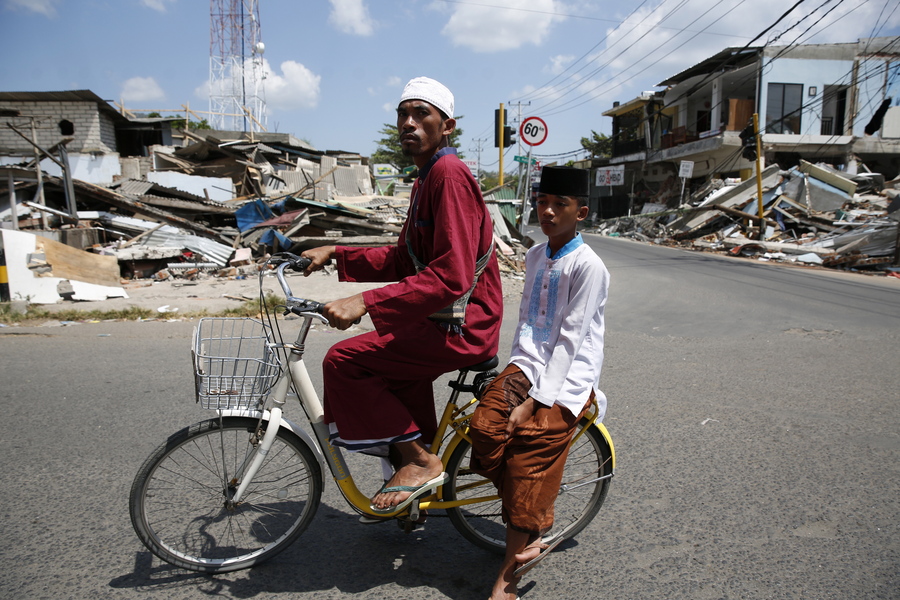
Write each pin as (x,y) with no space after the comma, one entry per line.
(298,306)
(285,260)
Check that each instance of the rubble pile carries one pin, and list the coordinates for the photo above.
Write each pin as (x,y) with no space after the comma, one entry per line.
(813,214)
(275,198)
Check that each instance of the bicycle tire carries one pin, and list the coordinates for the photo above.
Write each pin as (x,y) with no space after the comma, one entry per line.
(574,509)
(177,501)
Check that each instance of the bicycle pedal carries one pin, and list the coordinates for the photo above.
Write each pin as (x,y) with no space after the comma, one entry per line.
(414,511)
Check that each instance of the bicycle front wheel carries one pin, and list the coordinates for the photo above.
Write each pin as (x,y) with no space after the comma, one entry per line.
(582,492)
(180,499)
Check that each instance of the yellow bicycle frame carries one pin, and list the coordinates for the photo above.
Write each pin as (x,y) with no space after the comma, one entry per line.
(455,418)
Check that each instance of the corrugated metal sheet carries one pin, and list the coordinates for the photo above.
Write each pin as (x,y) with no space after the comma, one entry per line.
(210,250)
(138,188)
(293,181)
(250,147)
(346,182)
(363,178)
(133,187)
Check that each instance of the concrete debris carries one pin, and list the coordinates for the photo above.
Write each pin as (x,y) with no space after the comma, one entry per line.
(812,215)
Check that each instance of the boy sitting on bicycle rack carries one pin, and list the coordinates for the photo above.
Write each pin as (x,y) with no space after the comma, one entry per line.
(527,416)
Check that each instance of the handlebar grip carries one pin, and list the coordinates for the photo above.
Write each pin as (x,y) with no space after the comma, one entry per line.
(296,263)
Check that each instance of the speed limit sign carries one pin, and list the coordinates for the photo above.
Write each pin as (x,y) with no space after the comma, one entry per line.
(533,131)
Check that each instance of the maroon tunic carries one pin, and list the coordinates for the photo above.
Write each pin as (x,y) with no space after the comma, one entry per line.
(378,385)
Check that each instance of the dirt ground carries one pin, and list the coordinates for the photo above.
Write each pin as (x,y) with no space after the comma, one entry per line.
(215,294)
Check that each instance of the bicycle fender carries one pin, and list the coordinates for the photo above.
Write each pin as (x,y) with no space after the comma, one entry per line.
(291,426)
(608,438)
(457,438)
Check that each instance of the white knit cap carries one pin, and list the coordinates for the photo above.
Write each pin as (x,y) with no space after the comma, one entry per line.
(431,91)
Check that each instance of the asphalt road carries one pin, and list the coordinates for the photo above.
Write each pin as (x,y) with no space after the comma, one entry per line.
(753,407)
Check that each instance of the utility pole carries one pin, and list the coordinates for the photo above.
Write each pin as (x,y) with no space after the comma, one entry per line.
(479,143)
(759,189)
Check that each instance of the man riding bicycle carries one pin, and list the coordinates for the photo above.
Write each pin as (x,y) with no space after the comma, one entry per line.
(442,313)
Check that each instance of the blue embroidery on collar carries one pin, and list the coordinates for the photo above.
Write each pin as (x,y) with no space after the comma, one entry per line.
(423,172)
(570,247)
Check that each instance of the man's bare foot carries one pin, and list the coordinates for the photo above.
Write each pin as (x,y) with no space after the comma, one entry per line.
(417,467)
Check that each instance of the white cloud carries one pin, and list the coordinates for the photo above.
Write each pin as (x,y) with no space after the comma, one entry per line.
(297,87)
(158,5)
(42,7)
(352,17)
(659,41)
(655,43)
(559,63)
(142,89)
(504,25)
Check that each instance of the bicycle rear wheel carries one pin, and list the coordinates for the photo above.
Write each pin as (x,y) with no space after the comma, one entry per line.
(179,505)
(580,497)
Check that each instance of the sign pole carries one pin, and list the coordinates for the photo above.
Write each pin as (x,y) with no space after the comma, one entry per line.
(685,171)
(526,196)
(532,131)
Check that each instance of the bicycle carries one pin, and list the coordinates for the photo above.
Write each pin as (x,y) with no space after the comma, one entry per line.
(232,491)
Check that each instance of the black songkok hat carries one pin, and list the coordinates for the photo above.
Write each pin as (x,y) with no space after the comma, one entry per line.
(565,181)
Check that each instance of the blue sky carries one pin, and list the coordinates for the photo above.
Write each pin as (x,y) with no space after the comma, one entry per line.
(335,69)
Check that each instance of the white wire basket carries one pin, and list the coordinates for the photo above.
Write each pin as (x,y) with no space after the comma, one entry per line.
(234,363)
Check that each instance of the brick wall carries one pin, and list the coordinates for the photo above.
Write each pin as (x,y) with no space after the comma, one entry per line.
(94,131)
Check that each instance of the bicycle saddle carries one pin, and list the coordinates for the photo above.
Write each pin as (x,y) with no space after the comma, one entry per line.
(483,366)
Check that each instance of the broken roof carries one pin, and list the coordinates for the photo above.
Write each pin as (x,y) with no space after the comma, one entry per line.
(729,58)
(65,96)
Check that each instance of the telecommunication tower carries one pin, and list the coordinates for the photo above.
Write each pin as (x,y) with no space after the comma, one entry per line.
(236,73)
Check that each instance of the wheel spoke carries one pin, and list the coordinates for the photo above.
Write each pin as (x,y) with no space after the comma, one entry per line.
(582,493)
(179,506)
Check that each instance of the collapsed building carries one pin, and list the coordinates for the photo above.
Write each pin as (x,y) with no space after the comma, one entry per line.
(147,199)
(824,123)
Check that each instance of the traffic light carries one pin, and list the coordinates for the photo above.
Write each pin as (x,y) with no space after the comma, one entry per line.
(508,137)
(497,124)
(748,138)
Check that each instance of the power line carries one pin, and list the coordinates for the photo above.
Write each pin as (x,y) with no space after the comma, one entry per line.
(556,13)
(560,109)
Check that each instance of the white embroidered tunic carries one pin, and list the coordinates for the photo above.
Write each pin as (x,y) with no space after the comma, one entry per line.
(559,339)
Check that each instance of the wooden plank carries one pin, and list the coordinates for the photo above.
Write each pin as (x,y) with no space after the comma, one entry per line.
(66,262)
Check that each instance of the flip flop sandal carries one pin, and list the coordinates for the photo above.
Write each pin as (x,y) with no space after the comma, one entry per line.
(417,492)
(370,520)
(534,561)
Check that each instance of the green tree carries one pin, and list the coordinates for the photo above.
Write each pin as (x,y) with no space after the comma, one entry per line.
(389,151)
(599,145)
(491,179)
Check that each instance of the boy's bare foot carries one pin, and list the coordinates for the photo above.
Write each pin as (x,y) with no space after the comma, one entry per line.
(531,551)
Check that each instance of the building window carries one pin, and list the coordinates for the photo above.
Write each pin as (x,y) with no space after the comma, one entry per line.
(783,108)
(66,128)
